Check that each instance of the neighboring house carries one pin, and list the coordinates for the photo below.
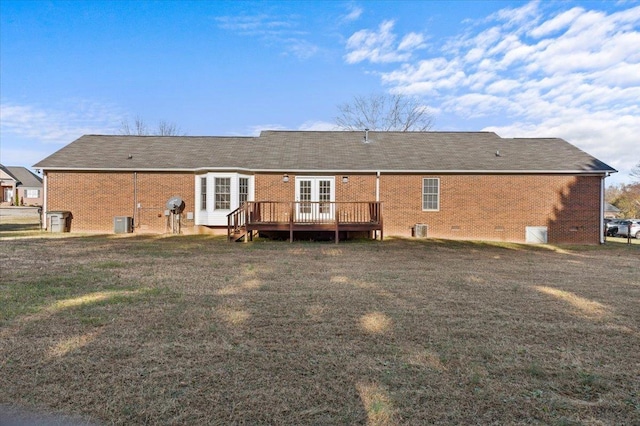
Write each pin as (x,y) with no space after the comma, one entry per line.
(20,181)
(611,211)
(459,185)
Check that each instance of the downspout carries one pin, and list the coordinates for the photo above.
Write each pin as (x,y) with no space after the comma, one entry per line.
(45,182)
(602,239)
(135,199)
(380,213)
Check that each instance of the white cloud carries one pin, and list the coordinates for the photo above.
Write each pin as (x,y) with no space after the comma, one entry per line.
(503,86)
(254,24)
(59,124)
(306,126)
(412,41)
(572,73)
(556,24)
(354,13)
(520,17)
(24,157)
(282,31)
(257,128)
(317,126)
(473,105)
(443,73)
(622,74)
(300,48)
(380,46)
(599,134)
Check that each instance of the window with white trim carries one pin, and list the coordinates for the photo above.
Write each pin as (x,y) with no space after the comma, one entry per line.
(431,194)
(32,193)
(203,193)
(243,190)
(223,193)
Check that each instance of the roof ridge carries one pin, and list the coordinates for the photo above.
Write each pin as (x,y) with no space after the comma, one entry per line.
(166,136)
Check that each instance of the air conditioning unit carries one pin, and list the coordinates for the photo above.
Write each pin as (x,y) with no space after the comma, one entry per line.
(122,224)
(421,230)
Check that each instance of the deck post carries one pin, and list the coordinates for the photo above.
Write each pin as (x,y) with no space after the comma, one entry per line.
(291,209)
(381,224)
(337,224)
(246,222)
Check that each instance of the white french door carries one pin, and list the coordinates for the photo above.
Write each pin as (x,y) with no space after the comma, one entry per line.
(314,199)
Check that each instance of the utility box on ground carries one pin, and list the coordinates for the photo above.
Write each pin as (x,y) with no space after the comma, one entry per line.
(123,224)
(421,230)
(59,221)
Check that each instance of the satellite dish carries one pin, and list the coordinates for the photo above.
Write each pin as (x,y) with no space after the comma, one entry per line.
(175,204)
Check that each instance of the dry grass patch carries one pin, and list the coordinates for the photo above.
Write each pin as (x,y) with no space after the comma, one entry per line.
(192,330)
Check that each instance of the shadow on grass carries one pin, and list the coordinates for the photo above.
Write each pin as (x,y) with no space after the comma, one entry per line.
(468,244)
(19,227)
(617,241)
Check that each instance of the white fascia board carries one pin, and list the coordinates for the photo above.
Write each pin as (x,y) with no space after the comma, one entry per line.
(112,169)
(448,172)
(223,169)
(337,171)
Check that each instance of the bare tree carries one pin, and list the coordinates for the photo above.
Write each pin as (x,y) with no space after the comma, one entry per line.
(384,112)
(166,128)
(635,172)
(140,128)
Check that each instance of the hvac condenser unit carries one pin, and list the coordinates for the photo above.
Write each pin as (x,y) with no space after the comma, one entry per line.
(123,224)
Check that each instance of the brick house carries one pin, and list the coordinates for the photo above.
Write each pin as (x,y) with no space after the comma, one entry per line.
(458,185)
(20,182)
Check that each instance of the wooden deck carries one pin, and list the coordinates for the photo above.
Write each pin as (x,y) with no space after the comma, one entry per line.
(298,216)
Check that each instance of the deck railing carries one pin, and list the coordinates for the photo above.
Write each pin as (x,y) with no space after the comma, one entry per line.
(280,213)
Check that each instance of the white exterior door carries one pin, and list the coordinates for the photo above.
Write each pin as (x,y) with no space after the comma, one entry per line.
(314,197)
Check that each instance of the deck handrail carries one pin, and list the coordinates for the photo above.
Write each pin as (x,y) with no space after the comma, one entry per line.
(236,220)
(304,212)
(314,211)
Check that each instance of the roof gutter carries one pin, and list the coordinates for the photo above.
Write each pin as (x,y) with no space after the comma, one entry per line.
(356,171)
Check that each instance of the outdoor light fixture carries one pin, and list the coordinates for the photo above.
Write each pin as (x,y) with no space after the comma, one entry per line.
(345,179)
(285,178)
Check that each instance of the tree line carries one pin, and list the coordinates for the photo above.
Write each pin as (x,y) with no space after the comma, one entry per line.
(626,197)
(139,127)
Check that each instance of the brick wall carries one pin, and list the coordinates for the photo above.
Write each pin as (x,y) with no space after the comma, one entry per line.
(271,187)
(94,199)
(486,207)
(496,207)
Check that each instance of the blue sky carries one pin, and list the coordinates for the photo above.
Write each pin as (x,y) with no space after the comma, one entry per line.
(567,69)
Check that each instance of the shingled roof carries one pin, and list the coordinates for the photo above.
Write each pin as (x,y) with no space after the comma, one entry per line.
(327,151)
(23,176)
